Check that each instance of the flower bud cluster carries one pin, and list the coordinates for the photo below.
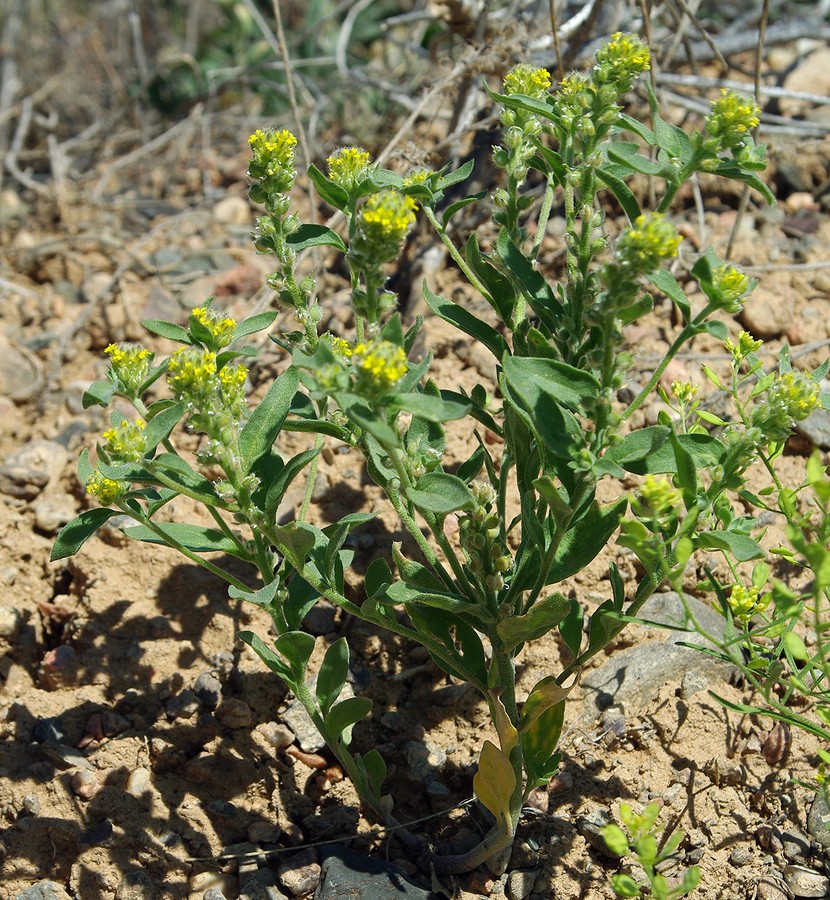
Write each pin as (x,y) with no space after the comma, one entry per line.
(488,557)
(728,288)
(646,245)
(731,120)
(382,223)
(215,398)
(130,366)
(520,125)
(746,345)
(125,442)
(745,602)
(104,489)
(378,367)
(791,398)
(271,168)
(348,166)
(216,329)
(620,61)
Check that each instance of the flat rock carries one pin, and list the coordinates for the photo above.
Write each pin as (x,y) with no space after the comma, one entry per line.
(632,678)
(43,890)
(818,821)
(348,875)
(28,470)
(805,882)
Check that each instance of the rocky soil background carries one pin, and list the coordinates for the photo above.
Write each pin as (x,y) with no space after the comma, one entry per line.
(144,752)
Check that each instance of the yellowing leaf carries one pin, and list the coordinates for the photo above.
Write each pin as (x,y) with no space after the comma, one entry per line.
(508,736)
(495,781)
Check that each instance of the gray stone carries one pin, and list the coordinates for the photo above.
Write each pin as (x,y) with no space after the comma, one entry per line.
(184,705)
(425,758)
(771,887)
(21,373)
(632,678)
(520,883)
(796,847)
(590,827)
(300,875)
(43,890)
(306,735)
(805,882)
(261,885)
(28,470)
(208,688)
(54,511)
(276,734)
(348,875)
(816,428)
(234,714)
(10,619)
(818,821)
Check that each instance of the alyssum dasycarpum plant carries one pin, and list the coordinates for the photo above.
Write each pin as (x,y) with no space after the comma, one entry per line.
(528,515)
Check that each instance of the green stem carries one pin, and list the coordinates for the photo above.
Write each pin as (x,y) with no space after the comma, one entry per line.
(455,254)
(542,223)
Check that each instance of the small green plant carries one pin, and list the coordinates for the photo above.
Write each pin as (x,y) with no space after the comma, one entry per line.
(642,843)
(525,502)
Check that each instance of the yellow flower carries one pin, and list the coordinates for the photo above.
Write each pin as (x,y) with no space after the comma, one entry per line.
(685,392)
(732,117)
(746,345)
(380,365)
(417,176)
(221,328)
(388,215)
(273,151)
(797,392)
(659,495)
(232,385)
(527,80)
(621,60)
(125,441)
(191,373)
(649,242)
(746,602)
(348,166)
(104,489)
(130,363)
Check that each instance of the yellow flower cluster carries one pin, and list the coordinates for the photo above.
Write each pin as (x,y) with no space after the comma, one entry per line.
(191,372)
(732,117)
(659,495)
(746,345)
(387,215)
(745,602)
(125,441)
(732,282)
(232,384)
(528,80)
(348,166)
(684,391)
(104,489)
(221,328)
(380,364)
(649,242)
(273,150)
(621,60)
(130,363)
(417,176)
(797,392)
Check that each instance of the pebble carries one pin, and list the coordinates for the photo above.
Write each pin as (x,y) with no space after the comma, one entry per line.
(59,667)
(99,834)
(21,373)
(43,890)
(816,428)
(276,734)
(232,211)
(202,882)
(260,832)
(520,883)
(770,887)
(234,714)
(818,821)
(31,804)
(425,759)
(84,784)
(54,511)
(222,809)
(28,470)
(137,885)
(48,729)
(560,784)
(590,827)
(261,885)
(184,705)
(297,719)
(208,688)
(301,874)
(10,619)
(796,847)
(138,781)
(805,882)
(692,683)
(213,894)
(740,856)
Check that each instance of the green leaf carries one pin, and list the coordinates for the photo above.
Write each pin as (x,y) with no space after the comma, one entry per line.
(664,281)
(426,406)
(637,127)
(621,191)
(441,493)
(367,418)
(586,537)
(328,190)
(571,627)
(378,577)
(401,592)
(298,539)
(624,885)
(741,546)
(332,675)
(314,236)
(626,153)
(494,782)
(301,597)
(196,538)
(267,655)
(529,104)
(616,842)
(546,693)
(459,175)
(660,459)
(375,769)
(262,428)
(255,323)
(85,468)
(453,208)
(734,173)
(345,715)
(534,377)
(263,597)
(296,647)
(468,323)
(501,294)
(167,330)
(290,470)
(159,427)
(76,533)
(543,617)
(99,393)
(533,284)
(540,738)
